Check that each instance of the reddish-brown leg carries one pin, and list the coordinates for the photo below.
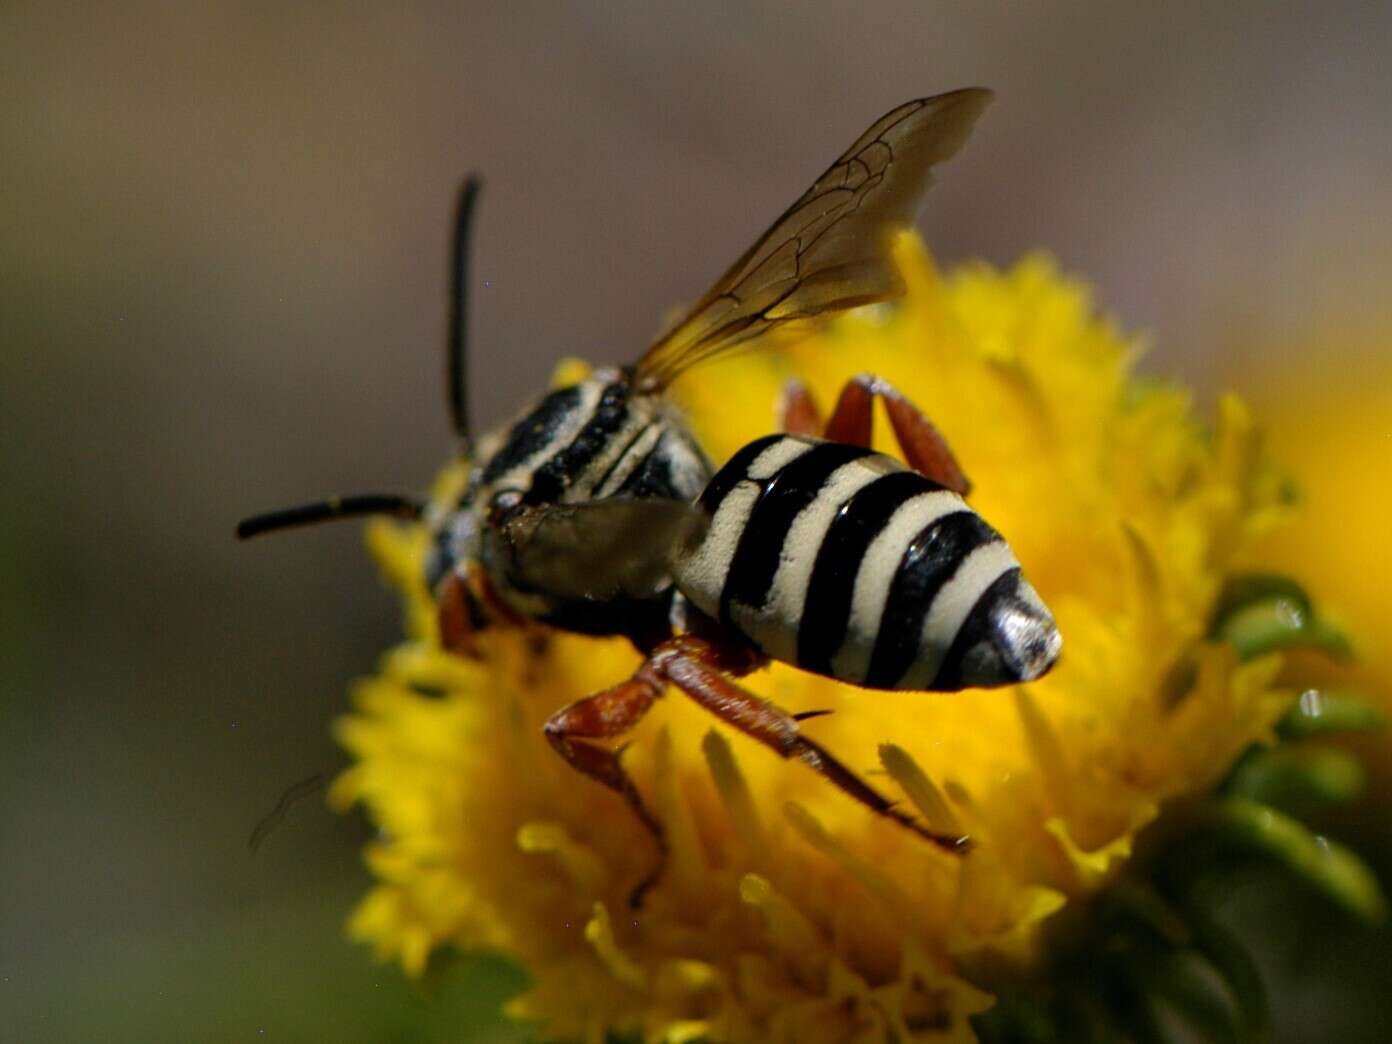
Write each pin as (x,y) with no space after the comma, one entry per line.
(797,410)
(456,621)
(607,715)
(697,666)
(851,421)
(466,601)
(925,449)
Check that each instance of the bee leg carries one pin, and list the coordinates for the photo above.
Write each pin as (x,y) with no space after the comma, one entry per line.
(696,666)
(852,419)
(455,616)
(797,410)
(925,449)
(606,715)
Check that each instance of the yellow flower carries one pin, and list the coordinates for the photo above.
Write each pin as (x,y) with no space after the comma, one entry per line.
(788,912)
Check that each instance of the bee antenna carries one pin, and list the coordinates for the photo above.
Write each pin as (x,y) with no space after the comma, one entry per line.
(458,362)
(328,510)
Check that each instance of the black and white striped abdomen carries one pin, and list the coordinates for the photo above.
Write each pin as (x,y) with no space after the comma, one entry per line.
(844,562)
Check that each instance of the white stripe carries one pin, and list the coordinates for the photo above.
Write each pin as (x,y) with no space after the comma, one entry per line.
(876,574)
(949,610)
(702,576)
(687,470)
(779,455)
(622,452)
(520,477)
(774,627)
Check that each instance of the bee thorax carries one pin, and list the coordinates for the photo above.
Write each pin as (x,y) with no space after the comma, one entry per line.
(521,517)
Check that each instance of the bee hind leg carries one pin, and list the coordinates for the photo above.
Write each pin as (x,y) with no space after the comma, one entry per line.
(925,449)
(607,715)
(797,410)
(697,667)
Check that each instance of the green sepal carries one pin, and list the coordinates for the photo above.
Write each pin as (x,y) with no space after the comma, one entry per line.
(1258,613)
(1087,1018)
(1296,779)
(1134,1001)
(1019,1018)
(1317,712)
(1326,865)
(1243,589)
(1272,624)
(1189,985)
(1237,970)
(1164,962)
(1134,907)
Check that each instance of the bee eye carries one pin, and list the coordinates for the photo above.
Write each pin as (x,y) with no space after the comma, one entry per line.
(503,504)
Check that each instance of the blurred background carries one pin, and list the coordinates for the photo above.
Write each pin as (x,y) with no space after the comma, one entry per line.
(223,237)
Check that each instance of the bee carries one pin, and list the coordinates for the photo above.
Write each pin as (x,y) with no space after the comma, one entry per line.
(596,511)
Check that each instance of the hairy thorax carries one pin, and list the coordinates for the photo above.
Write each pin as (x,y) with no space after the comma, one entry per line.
(592,441)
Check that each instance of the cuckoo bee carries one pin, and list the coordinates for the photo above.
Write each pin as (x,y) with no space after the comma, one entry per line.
(596,511)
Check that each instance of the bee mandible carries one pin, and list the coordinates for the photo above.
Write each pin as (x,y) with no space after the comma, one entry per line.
(596,511)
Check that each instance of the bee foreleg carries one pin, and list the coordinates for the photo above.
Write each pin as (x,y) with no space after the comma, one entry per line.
(454,617)
(607,715)
(797,410)
(694,666)
(925,449)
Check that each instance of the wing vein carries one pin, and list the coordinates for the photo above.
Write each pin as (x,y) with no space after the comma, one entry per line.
(830,249)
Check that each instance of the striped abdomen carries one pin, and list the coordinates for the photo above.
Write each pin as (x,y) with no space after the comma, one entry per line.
(844,562)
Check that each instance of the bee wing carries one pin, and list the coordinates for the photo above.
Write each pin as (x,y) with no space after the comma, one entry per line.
(601,549)
(829,250)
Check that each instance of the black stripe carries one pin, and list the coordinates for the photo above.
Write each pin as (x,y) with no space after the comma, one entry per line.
(930,560)
(827,610)
(975,628)
(784,494)
(622,455)
(555,476)
(734,471)
(655,476)
(533,432)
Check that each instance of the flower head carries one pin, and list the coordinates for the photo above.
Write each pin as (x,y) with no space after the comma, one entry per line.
(787,911)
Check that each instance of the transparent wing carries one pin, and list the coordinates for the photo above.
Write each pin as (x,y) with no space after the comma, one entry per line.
(601,549)
(830,249)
